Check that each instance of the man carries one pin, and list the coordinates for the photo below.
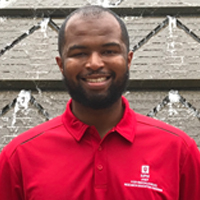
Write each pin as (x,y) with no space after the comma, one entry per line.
(99,149)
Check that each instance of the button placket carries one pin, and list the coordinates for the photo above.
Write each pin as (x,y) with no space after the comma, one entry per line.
(100,168)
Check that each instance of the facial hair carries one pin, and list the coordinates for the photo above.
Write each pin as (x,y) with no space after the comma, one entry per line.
(97,101)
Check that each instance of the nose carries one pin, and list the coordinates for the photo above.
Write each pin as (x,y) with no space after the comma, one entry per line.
(94,61)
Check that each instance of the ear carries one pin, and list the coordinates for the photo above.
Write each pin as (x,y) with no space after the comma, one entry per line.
(129,59)
(59,63)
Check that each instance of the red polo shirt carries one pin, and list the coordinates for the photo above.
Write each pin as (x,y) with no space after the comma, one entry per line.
(139,159)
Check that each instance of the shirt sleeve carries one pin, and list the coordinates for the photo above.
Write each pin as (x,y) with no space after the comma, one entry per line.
(10,186)
(190,175)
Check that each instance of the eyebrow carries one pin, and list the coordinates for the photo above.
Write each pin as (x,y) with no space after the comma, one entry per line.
(111,44)
(76,47)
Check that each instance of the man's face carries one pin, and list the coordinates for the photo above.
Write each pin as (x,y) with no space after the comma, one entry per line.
(94,61)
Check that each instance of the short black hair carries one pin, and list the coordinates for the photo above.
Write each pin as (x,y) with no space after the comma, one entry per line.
(92,10)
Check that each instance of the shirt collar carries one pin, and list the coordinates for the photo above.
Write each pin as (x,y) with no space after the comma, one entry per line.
(126,127)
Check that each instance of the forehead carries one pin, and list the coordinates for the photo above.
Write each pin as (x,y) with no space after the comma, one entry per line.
(103,23)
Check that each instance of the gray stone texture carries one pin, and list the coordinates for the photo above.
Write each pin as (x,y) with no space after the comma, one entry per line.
(140,101)
(124,3)
(171,54)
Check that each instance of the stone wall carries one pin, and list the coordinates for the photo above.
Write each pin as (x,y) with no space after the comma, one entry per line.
(165,38)
(16,121)
(170,54)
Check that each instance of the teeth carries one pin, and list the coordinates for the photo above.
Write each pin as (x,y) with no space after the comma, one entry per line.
(96,80)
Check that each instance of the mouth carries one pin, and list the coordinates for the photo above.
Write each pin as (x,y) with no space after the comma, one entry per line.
(96,80)
(96,77)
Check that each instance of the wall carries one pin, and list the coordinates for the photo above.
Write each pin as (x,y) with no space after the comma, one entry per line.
(166,57)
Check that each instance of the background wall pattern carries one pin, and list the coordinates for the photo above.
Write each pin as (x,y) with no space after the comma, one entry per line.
(164,77)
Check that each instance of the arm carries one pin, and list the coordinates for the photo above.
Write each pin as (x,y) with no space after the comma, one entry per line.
(190,175)
(10,184)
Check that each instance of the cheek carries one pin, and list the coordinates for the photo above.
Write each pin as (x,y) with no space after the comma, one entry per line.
(119,66)
(71,68)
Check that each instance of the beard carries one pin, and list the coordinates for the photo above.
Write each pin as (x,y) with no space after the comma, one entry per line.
(97,101)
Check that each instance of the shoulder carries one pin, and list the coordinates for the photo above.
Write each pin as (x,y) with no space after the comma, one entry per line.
(154,128)
(163,129)
(32,133)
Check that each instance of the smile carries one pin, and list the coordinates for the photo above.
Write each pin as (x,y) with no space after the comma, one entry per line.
(96,80)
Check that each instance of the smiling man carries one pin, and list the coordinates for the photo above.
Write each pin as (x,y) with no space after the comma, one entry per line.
(95,62)
(99,148)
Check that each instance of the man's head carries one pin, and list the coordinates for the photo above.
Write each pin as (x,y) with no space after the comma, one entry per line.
(94,57)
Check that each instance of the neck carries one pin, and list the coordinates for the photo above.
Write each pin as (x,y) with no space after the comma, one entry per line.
(103,119)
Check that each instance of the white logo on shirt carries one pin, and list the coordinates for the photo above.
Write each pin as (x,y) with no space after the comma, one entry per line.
(144,182)
(145,169)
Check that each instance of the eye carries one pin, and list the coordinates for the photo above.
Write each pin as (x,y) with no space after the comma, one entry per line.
(109,52)
(80,54)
